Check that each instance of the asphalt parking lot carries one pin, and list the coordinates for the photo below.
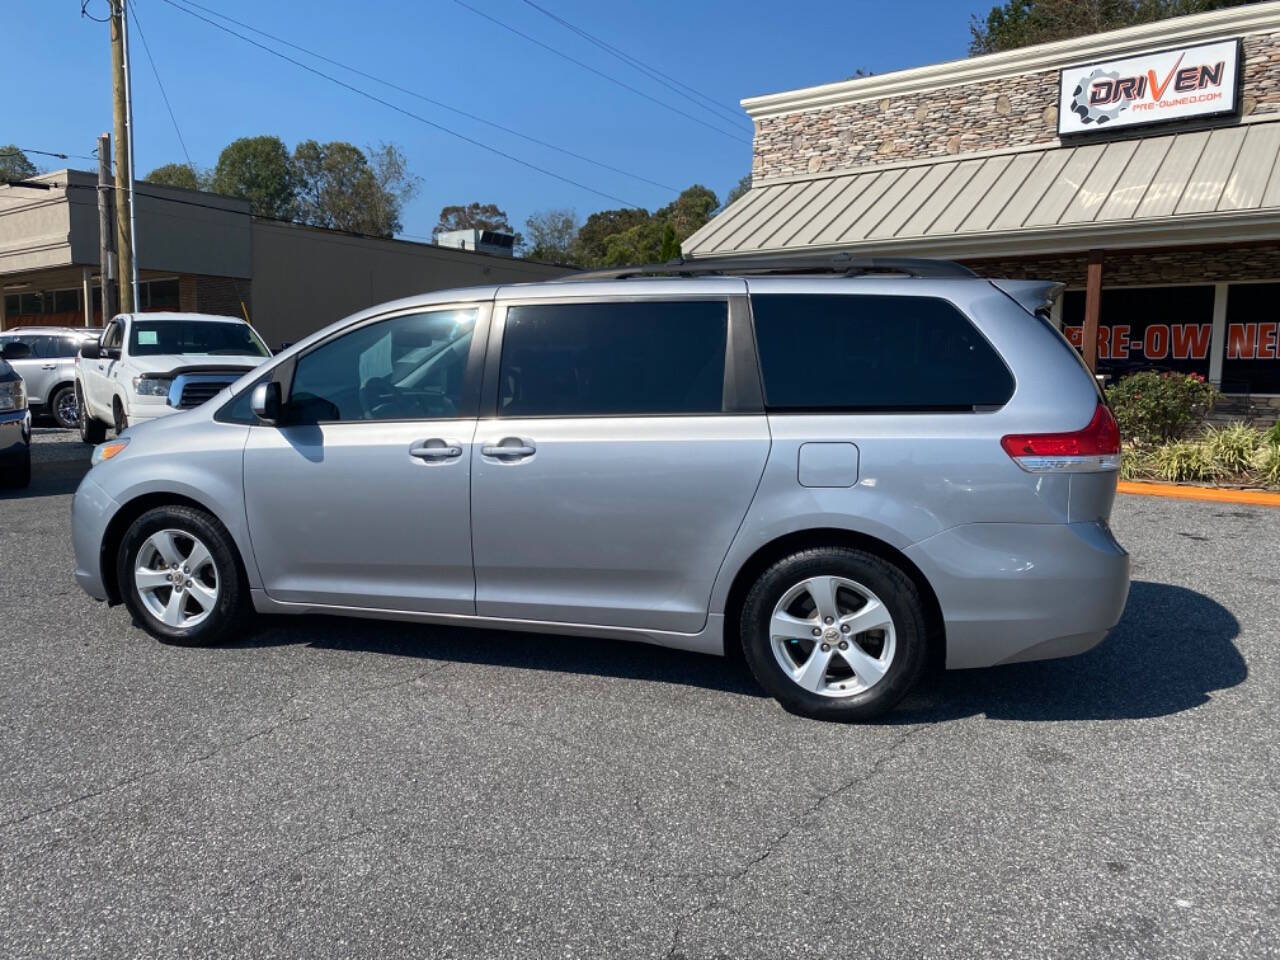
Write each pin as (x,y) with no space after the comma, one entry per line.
(340,788)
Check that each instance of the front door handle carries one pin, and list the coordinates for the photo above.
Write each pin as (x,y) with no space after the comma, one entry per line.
(435,449)
(48,366)
(509,448)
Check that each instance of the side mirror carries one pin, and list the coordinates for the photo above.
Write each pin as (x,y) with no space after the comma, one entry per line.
(265,401)
(111,353)
(15,350)
(90,350)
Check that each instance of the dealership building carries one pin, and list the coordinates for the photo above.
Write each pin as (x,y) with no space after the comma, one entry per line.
(200,251)
(1137,166)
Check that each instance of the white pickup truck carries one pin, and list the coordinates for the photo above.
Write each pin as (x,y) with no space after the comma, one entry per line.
(148,365)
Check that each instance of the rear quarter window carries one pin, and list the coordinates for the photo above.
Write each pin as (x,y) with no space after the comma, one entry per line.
(863,352)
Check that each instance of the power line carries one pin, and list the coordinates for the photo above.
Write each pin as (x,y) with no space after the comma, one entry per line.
(48,153)
(159,83)
(671,83)
(426,99)
(408,113)
(601,73)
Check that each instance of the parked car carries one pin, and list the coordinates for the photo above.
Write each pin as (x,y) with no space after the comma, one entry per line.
(50,370)
(846,476)
(15,420)
(148,365)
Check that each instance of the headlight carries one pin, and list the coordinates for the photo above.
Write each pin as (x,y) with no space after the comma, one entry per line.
(13,396)
(151,386)
(105,451)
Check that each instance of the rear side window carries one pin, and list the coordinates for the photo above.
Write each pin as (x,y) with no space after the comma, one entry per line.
(863,352)
(613,359)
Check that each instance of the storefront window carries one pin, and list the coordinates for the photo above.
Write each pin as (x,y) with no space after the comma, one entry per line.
(1147,328)
(1251,362)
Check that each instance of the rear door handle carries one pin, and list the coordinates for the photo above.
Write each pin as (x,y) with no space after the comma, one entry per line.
(435,449)
(512,448)
(48,366)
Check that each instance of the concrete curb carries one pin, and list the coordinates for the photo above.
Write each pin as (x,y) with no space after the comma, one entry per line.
(1255,498)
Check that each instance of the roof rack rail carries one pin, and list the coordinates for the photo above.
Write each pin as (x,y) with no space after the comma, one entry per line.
(841,263)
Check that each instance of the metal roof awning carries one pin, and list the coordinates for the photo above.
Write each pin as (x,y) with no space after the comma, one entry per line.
(1205,186)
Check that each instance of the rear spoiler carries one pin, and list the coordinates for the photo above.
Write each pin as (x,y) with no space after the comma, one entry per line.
(1034,296)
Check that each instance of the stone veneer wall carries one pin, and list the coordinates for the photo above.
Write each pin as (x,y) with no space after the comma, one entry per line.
(993,115)
(1126,268)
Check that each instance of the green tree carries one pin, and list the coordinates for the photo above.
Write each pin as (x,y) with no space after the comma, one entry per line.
(1021,23)
(551,234)
(14,164)
(590,247)
(670,248)
(179,175)
(476,216)
(690,210)
(739,190)
(339,187)
(259,170)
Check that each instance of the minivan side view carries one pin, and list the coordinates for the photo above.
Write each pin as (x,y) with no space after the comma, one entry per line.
(846,469)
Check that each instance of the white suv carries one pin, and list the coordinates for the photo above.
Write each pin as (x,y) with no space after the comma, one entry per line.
(148,365)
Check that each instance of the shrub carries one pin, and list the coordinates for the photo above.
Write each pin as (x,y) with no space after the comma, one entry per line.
(1267,463)
(1184,460)
(1133,462)
(1232,448)
(1154,407)
(1273,435)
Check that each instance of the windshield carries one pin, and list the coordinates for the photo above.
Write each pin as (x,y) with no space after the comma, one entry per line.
(149,338)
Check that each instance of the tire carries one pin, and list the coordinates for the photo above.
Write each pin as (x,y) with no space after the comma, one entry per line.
(92,430)
(64,407)
(119,419)
(20,478)
(875,668)
(211,603)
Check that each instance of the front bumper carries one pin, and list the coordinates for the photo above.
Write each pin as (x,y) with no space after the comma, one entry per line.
(15,434)
(1024,591)
(91,512)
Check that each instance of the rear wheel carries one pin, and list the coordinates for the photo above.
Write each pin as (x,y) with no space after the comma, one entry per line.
(92,430)
(835,633)
(63,406)
(179,577)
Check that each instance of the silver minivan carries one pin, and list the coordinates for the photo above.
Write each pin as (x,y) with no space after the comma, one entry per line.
(846,469)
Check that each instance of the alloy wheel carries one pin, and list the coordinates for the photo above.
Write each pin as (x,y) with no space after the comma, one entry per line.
(176,578)
(67,409)
(832,636)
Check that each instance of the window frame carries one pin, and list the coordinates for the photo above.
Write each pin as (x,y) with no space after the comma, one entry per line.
(468,403)
(741,392)
(895,409)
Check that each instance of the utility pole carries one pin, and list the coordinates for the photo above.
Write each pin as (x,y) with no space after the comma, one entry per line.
(124,161)
(106,231)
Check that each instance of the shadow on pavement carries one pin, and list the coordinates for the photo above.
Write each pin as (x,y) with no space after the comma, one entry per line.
(56,468)
(1172,648)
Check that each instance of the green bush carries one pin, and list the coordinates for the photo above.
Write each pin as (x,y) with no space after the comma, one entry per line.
(1273,435)
(1133,462)
(1232,448)
(1267,463)
(1184,460)
(1155,407)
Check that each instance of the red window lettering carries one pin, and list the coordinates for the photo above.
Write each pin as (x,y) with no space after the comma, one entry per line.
(1075,336)
(1104,343)
(1267,341)
(1191,340)
(1120,342)
(1242,341)
(1155,342)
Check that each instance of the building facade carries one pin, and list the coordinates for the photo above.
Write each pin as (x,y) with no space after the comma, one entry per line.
(204,252)
(1137,166)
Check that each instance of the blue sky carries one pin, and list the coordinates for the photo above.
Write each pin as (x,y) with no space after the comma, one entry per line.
(221,88)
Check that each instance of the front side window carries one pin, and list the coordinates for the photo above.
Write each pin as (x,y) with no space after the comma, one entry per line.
(864,352)
(153,338)
(405,368)
(613,359)
(114,335)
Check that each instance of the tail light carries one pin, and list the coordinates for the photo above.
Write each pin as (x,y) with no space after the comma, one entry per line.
(1093,449)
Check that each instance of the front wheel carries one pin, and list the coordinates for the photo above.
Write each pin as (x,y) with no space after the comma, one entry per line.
(119,419)
(835,633)
(179,577)
(92,430)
